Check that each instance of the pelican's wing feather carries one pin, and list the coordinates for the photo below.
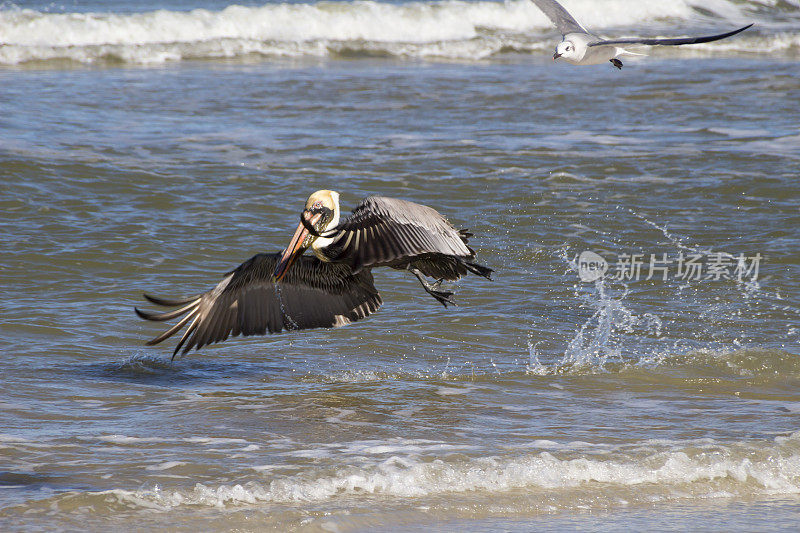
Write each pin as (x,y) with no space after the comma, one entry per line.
(313,294)
(670,42)
(385,231)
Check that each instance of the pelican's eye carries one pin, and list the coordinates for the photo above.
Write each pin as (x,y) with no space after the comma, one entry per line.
(327,216)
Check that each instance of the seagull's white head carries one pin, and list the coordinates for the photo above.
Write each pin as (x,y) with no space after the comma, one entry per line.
(567,50)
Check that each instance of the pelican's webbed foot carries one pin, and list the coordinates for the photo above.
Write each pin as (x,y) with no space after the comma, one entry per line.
(616,62)
(443,297)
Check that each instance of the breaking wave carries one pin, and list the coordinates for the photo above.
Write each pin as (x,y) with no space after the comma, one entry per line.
(649,472)
(449,29)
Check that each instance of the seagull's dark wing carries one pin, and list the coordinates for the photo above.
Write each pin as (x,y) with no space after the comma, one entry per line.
(313,294)
(671,42)
(560,16)
(387,231)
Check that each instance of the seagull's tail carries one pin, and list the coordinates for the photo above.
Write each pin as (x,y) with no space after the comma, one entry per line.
(623,52)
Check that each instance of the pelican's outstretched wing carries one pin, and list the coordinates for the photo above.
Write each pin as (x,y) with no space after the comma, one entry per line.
(313,294)
(564,22)
(385,231)
(670,42)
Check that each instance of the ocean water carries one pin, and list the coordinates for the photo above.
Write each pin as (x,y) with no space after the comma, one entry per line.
(153,146)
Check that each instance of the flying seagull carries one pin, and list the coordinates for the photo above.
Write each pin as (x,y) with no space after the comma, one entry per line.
(289,291)
(581,47)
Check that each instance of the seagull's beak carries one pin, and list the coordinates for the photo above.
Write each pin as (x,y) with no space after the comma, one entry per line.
(556,56)
(296,247)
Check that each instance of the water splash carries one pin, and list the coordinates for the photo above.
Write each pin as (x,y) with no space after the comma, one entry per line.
(534,366)
(291,322)
(622,331)
(601,339)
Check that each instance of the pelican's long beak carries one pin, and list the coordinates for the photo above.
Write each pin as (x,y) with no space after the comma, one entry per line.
(556,56)
(295,248)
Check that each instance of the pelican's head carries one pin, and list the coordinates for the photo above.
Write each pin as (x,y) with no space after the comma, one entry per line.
(321,213)
(566,49)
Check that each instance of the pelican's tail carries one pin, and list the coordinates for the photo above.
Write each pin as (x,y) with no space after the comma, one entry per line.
(480,270)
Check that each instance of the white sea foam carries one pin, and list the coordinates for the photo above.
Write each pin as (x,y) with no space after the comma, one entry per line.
(214,440)
(454,391)
(652,473)
(13,439)
(124,439)
(165,466)
(363,448)
(450,29)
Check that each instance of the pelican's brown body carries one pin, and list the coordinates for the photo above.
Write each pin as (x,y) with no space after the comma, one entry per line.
(288,291)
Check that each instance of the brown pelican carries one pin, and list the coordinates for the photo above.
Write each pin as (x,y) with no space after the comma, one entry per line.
(289,291)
